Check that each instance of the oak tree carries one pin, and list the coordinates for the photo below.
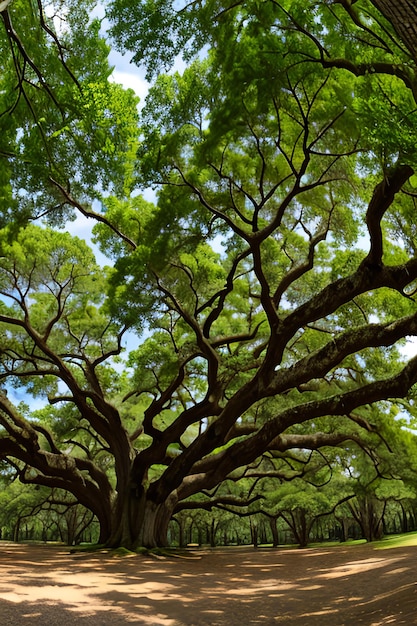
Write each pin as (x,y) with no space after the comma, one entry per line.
(269,288)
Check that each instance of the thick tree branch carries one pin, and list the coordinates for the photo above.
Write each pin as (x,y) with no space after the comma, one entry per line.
(402,15)
(215,502)
(383,197)
(323,360)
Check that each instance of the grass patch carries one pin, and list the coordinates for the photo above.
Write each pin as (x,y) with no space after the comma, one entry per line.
(85,547)
(102,549)
(404,540)
(123,552)
(337,544)
(391,541)
(396,541)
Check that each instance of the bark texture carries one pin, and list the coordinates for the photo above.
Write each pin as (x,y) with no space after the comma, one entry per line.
(402,14)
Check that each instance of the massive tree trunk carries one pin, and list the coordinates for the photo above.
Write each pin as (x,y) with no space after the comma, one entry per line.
(153,531)
(402,14)
(138,521)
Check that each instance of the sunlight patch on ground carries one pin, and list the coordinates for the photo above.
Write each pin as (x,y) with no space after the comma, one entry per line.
(267,585)
(390,594)
(262,567)
(355,567)
(222,589)
(325,611)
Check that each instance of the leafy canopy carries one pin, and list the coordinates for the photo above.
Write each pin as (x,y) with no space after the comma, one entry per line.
(267,291)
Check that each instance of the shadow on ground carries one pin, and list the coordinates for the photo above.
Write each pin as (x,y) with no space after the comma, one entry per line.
(45,585)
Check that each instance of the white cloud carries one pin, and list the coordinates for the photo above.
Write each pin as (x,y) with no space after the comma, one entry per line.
(82,227)
(132,80)
(410,348)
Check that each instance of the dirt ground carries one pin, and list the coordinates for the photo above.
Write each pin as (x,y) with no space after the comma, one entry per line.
(45,585)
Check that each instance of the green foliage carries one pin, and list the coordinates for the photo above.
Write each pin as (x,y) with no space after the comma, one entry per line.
(262,301)
(66,131)
(52,279)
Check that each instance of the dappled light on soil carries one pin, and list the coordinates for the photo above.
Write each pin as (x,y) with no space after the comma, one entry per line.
(357,566)
(45,585)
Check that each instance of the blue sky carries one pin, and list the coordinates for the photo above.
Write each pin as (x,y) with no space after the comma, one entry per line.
(128,75)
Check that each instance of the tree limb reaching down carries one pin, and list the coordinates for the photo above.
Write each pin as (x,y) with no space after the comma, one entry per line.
(382,198)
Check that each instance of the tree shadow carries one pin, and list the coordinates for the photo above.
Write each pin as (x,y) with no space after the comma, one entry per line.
(335,587)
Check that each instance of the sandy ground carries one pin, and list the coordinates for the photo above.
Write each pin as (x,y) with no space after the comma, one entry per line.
(45,585)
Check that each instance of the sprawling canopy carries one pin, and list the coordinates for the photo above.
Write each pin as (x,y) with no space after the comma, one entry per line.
(264,298)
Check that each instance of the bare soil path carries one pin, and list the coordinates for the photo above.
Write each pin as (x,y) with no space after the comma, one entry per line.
(343,586)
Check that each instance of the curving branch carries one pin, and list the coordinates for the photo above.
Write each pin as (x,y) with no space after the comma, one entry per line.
(382,198)
(98,217)
(216,502)
(323,360)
